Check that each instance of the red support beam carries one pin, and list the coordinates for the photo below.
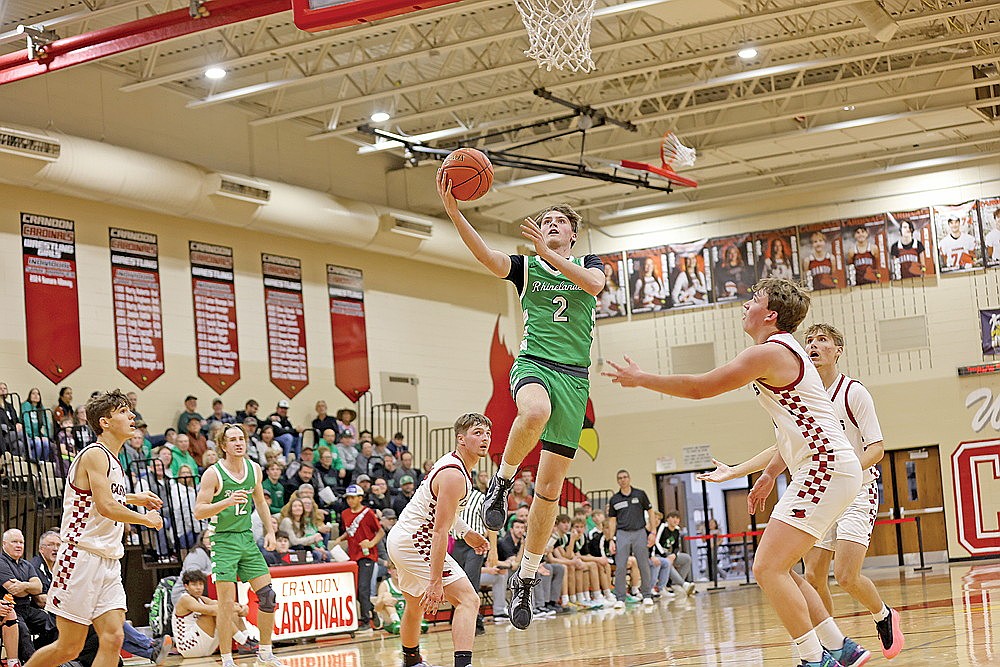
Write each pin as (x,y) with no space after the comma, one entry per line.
(113,40)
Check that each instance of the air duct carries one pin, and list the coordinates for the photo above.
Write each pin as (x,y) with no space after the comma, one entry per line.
(878,21)
(124,177)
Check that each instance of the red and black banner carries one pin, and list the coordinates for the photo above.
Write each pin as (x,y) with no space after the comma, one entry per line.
(51,304)
(350,339)
(212,286)
(286,323)
(135,288)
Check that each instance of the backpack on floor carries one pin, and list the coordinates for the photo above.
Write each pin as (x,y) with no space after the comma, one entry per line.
(161,609)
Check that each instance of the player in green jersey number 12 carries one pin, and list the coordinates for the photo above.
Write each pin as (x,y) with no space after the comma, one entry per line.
(549,380)
(227,488)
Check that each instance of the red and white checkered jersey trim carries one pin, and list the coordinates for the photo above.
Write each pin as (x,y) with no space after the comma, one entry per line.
(83,526)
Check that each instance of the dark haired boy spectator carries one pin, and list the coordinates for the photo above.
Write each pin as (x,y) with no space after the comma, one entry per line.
(283,554)
(273,484)
(248,412)
(398,445)
(406,490)
(304,475)
(405,467)
(218,415)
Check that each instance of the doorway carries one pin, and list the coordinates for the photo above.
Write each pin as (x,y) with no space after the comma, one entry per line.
(910,486)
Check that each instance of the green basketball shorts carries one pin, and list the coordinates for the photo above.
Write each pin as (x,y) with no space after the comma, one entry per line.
(567,397)
(236,557)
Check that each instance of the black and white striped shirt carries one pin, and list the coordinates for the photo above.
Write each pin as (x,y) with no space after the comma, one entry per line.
(473,512)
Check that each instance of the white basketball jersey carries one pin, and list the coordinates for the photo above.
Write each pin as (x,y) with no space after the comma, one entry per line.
(417,519)
(82,525)
(803,416)
(855,409)
(187,634)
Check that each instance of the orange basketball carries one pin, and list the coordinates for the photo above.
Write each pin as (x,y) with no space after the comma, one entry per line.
(470,173)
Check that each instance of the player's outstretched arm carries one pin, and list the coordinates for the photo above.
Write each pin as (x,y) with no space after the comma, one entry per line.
(495,261)
(750,364)
(591,281)
(724,473)
(92,473)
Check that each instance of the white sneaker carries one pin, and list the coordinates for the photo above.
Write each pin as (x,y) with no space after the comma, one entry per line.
(270,661)
(619,604)
(690,588)
(647,602)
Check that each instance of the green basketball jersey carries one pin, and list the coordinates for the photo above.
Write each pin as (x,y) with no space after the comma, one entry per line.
(558,315)
(235,518)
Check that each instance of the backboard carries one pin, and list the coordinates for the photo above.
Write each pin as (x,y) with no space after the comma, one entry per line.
(317,15)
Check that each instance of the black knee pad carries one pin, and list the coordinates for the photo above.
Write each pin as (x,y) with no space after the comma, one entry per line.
(267,600)
(10,623)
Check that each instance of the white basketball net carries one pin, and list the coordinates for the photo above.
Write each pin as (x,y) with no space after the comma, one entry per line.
(558,32)
(675,154)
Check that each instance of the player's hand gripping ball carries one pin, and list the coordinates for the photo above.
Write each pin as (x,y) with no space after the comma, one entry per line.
(470,173)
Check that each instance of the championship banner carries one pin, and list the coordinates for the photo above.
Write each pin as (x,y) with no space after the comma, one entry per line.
(135,289)
(865,255)
(777,253)
(958,241)
(733,267)
(286,323)
(690,274)
(350,338)
(989,219)
(911,244)
(611,302)
(51,304)
(989,331)
(647,280)
(216,343)
(822,256)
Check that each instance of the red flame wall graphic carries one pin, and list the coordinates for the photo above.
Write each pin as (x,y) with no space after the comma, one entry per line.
(501,410)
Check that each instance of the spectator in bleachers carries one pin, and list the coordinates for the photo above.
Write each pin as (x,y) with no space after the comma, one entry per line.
(283,554)
(268,449)
(666,544)
(197,442)
(157,481)
(36,425)
(324,421)
(195,616)
(301,531)
(208,459)
(398,444)
(379,498)
(190,410)
(18,577)
(406,490)
(600,572)
(578,573)
(304,475)
(346,417)
(364,436)
(389,474)
(181,451)
(219,415)
(363,459)
(325,522)
(362,533)
(9,634)
(426,467)
(365,483)
(520,513)
(284,431)
(249,412)
(64,405)
(82,433)
(405,468)
(183,494)
(10,425)
(482,480)
(131,452)
(518,495)
(272,483)
(45,560)
(330,469)
(588,511)
(348,452)
(169,436)
(380,448)
(198,559)
(306,457)
(65,446)
(528,478)
(133,399)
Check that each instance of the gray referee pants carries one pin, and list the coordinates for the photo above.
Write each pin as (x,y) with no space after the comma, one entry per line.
(631,543)
(470,561)
(549,589)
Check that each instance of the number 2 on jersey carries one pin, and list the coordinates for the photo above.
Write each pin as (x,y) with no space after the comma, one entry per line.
(558,316)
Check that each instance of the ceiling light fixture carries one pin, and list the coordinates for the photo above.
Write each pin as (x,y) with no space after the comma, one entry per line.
(380,117)
(215,73)
(747,53)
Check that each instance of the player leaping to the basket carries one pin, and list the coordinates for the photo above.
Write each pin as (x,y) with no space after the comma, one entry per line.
(549,380)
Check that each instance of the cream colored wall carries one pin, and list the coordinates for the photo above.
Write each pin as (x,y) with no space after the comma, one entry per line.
(422,319)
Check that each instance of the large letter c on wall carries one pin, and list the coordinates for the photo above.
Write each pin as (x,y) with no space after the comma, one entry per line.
(978,533)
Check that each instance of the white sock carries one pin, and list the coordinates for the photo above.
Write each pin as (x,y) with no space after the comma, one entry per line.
(609,595)
(829,634)
(575,597)
(264,650)
(881,615)
(240,636)
(227,659)
(394,616)
(564,600)
(529,565)
(586,596)
(809,647)
(507,471)
(13,662)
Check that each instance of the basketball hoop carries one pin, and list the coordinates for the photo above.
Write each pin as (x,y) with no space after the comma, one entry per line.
(558,32)
(675,154)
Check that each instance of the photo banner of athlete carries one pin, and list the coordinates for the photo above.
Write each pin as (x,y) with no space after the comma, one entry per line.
(777,253)
(822,256)
(733,267)
(284,313)
(135,289)
(51,300)
(690,274)
(989,219)
(865,255)
(648,278)
(350,338)
(213,291)
(612,301)
(911,244)
(959,242)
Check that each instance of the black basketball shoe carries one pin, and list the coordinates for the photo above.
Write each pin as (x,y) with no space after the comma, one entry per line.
(520,600)
(495,505)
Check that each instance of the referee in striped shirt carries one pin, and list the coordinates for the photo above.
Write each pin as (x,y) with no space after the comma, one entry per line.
(465,556)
